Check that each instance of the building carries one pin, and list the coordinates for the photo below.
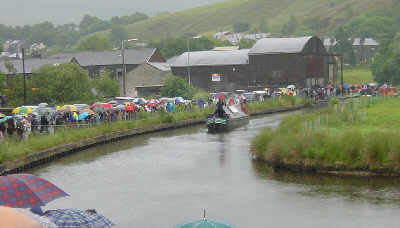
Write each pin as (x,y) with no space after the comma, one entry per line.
(145,68)
(364,49)
(147,79)
(214,70)
(96,61)
(15,66)
(272,62)
(234,38)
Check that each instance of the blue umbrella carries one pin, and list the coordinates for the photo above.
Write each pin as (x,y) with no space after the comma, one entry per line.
(70,218)
(83,115)
(4,119)
(204,223)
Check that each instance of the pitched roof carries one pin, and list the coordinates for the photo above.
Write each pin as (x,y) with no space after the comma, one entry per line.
(160,66)
(212,58)
(279,45)
(102,58)
(31,64)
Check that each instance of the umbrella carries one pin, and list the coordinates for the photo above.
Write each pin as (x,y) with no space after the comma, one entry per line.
(220,96)
(291,87)
(43,104)
(204,223)
(69,108)
(81,107)
(2,115)
(120,107)
(4,119)
(83,115)
(130,108)
(27,191)
(22,110)
(101,107)
(44,110)
(89,111)
(77,218)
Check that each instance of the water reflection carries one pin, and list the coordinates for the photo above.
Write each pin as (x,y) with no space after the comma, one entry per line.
(374,190)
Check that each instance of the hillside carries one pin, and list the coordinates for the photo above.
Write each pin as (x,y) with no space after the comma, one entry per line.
(325,14)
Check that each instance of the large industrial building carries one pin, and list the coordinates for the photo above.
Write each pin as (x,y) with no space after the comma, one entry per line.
(271,63)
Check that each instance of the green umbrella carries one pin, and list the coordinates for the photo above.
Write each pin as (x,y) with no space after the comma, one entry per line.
(204,223)
(4,119)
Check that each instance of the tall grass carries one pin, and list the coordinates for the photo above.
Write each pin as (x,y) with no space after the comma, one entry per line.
(340,136)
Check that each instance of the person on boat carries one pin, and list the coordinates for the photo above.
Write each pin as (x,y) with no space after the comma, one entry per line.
(220,108)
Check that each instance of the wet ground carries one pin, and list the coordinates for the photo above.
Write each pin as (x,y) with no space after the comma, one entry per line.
(162,179)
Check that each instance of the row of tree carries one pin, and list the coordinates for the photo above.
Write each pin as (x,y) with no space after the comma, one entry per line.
(58,84)
(66,36)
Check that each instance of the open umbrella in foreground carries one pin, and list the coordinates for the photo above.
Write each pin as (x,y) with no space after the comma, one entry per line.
(71,218)
(27,191)
(204,223)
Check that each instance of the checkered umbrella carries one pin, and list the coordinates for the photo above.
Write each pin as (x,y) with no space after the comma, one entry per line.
(71,218)
(27,191)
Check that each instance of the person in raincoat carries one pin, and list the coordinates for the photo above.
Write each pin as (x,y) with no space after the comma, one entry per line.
(172,107)
(168,107)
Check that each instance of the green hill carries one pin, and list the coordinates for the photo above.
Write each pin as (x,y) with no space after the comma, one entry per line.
(322,15)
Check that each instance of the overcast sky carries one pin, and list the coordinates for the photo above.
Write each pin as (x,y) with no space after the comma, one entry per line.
(20,12)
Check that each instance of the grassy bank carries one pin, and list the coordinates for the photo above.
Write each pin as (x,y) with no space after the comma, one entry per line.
(12,149)
(357,75)
(361,135)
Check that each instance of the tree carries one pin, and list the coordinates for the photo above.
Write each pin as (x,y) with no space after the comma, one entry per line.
(87,20)
(241,27)
(63,83)
(246,43)
(177,87)
(118,33)
(94,43)
(386,67)
(2,82)
(263,26)
(106,86)
(290,27)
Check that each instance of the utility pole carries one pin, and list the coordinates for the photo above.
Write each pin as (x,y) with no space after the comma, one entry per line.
(188,63)
(23,71)
(341,73)
(123,69)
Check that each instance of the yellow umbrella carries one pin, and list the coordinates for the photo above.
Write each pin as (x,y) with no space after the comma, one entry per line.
(22,110)
(67,108)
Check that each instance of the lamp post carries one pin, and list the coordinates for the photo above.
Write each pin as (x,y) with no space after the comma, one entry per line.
(23,72)
(188,56)
(123,65)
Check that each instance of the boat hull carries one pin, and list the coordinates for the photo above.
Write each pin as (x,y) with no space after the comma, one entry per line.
(215,125)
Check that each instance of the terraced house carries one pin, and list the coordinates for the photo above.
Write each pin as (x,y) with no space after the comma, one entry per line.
(272,62)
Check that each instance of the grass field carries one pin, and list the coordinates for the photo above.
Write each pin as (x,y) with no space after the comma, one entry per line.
(357,75)
(358,135)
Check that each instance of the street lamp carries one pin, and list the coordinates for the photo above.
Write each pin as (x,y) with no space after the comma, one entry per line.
(123,64)
(188,58)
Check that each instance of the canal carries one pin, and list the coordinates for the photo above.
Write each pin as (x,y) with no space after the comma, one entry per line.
(162,179)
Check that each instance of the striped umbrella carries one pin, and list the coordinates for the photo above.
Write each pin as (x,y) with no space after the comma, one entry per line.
(22,110)
(71,218)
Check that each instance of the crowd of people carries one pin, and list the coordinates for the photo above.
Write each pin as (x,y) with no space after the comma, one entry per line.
(44,119)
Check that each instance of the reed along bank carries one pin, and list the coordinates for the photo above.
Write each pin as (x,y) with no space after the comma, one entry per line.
(356,137)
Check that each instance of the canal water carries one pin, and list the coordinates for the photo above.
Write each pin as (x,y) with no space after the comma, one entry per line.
(163,179)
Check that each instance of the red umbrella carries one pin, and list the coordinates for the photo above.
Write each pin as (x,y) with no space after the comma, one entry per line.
(27,191)
(220,96)
(130,108)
